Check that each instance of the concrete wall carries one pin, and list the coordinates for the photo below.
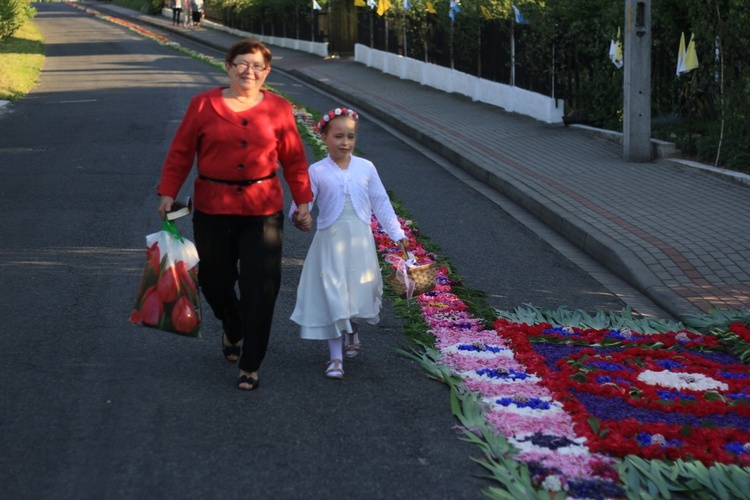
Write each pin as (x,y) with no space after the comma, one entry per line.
(509,98)
(317,48)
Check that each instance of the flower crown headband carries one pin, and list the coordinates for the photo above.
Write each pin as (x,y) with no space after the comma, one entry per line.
(335,113)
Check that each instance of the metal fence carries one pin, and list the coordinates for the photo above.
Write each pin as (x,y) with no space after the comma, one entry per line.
(495,50)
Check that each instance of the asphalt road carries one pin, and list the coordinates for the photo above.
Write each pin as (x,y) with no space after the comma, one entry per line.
(94,407)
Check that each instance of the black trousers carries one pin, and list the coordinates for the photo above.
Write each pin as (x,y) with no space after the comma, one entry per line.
(176,15)
(246,250)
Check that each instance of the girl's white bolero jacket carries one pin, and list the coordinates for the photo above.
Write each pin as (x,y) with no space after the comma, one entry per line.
(361,182)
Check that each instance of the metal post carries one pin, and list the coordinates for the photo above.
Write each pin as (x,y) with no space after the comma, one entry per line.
(636,124)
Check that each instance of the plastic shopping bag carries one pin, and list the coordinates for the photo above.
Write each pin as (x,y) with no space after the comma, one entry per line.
(169,298)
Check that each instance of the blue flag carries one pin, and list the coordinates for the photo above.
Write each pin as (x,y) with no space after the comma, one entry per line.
(519,18)
(453,9)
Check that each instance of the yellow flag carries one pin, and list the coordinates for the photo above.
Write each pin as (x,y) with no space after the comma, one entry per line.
(691,58)
(681,56)
(430,8)
(360,3)
(383,6)
(485,12)
(615,50)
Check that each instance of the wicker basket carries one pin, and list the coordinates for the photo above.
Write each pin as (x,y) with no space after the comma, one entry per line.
(424,280)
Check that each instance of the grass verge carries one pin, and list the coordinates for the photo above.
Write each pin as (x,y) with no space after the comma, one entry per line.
(21,59)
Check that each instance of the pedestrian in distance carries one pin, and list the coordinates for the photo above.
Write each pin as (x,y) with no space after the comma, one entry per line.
(196,9)
(341,285)
(239,134)
(176,6)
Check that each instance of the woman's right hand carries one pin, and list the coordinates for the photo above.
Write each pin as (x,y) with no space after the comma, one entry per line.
(165,205)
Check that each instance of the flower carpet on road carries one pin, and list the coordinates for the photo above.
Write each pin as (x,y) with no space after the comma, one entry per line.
(569,405)
(604,412)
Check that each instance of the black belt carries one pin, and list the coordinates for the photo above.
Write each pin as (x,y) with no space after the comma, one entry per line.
(244,182)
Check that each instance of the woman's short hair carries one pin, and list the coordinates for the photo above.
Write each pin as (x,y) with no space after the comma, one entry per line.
(248,46)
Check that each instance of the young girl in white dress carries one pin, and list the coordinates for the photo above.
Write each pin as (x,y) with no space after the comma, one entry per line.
(341,285)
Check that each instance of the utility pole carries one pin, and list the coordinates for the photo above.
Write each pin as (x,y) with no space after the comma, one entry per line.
(636,124)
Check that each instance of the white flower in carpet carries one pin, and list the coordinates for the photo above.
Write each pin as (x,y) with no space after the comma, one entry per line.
(682,337)
(337,111)
(479,345)
(658,439)
(626,332)
(692,381)
(747,447)
(688,379)
(520,397)
(552,483)
(568,329)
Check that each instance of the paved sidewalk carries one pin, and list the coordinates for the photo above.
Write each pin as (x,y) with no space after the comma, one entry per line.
(679,233)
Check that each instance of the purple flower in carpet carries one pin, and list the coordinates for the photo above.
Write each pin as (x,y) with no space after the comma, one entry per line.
(668,364)
(564,331)
(670,395)
(739,395)
(625,334)
(549,441)
(718,357)
(732,375)
(606,379)
(479,347)
(738,448)
(612,367)
(533,403)
(596,490)
(605,408)
(502,373)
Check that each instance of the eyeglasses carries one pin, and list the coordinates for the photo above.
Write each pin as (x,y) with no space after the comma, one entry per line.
(245,65)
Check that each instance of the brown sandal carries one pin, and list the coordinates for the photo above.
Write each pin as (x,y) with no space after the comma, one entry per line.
(351,350)
(335,369)
(247,383)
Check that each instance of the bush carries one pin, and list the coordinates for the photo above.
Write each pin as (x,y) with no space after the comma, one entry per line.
(13,13)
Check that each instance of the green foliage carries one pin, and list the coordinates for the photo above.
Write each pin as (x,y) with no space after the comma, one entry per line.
(144,6)
(13,13)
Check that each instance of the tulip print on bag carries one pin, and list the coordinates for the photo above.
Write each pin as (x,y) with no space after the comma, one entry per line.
(168,298)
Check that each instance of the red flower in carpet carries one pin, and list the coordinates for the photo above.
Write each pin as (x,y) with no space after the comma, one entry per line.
(152,307)
(169,285)
(741,330)
(184,316)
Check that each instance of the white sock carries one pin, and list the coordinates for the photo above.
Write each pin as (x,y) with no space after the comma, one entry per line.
(335,348)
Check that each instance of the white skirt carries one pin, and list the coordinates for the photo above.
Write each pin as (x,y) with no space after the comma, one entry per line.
(341,280)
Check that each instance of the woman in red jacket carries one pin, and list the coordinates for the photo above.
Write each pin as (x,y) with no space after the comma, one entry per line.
(240,134)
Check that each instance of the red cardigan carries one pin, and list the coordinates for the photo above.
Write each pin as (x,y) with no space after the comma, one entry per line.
(237,146)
